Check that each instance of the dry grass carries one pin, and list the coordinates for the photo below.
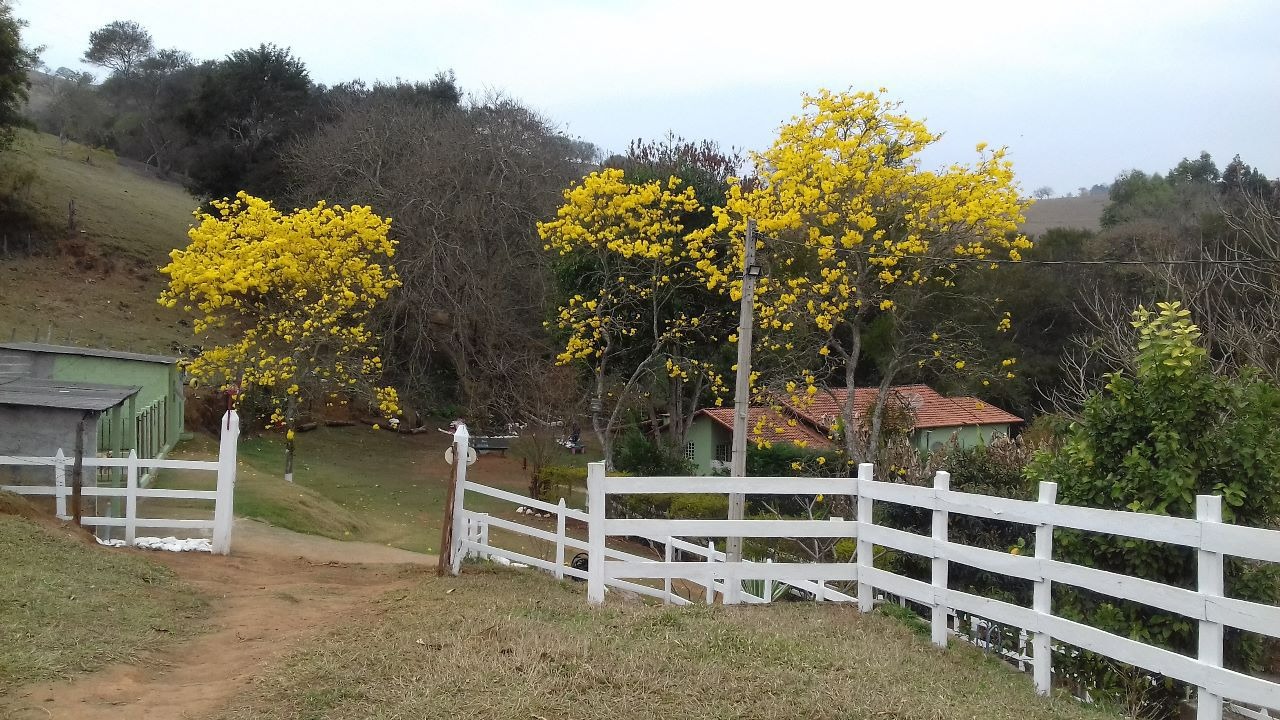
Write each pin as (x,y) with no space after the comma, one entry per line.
(508,644)
(99,285)
(1075,212)
(68,606)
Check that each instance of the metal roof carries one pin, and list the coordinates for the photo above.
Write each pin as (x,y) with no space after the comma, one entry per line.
(87,352)
(30,392)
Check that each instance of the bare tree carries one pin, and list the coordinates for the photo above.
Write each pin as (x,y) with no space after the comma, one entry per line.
(465,187)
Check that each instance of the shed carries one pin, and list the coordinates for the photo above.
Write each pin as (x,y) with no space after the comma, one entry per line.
(40,417)
(156,411)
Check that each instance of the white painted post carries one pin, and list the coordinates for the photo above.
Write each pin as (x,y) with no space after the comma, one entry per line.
(1209,576)
(223,515)
(666,581)
(866,551)
(60,483)
(1042,599)
(941,483)
(461,449)
(131,498)
(560,540)
(711,572)
(595,533)
(484,537)
(768,584)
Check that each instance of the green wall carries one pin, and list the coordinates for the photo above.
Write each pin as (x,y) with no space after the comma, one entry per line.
(705,434)
(159,382)
(967,436)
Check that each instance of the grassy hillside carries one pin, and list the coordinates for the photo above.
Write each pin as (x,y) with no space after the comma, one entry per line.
(507,644)
(1073,212)
(70,606)
(96,284)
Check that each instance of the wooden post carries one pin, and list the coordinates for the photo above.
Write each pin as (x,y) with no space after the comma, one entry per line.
(60,482)
(560,540)
(1042,600)
(131,498)
(666,581)
(1209,583)
(938,618)
(866,551)
(451,531)
(223,508)
(77,472)
(595,532)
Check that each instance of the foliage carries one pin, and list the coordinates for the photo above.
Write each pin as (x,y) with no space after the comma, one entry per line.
(119,46)
(634,272)
(1151,441)
(857,234)
(638,455)
(557,481)
(293,293)
(16,61)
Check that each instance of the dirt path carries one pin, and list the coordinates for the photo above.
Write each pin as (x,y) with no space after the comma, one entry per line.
(277,588)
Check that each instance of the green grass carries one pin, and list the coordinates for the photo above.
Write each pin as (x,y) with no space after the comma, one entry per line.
(98,284)
(70,607)
(507,644)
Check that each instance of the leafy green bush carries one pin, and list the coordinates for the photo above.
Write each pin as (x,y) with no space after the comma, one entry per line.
(640,456)
(558,481)
(1150,443)
(700,507)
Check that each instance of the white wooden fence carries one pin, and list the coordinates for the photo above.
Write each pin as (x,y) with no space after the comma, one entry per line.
(222,497)
(1211,538)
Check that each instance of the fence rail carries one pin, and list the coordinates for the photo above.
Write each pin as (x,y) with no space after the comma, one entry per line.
(222,497)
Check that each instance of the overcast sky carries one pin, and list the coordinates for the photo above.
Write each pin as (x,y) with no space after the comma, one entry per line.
(1077,90)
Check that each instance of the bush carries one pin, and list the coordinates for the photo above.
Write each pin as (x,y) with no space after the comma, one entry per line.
(638,455)
(700,507)
(558,481)
(1150,443)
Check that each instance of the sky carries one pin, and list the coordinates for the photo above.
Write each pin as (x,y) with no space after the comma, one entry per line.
(1078,91)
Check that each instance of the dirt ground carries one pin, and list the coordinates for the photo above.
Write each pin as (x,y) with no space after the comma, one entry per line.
(275,590)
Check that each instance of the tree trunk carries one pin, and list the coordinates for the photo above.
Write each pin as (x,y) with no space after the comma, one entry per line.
(290,419)
(848,412)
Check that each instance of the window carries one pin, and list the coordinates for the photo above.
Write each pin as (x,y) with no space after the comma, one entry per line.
(724,452)
(689,451)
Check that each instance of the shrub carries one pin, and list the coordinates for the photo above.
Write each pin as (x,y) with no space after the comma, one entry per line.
(638,455)
(700,507)
(1151,442)
(558,481)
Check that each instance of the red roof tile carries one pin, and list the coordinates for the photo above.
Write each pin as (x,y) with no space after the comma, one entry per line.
(931,409)
(777,427)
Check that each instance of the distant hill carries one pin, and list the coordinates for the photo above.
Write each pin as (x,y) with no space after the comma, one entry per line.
(97,284)
(1071,212)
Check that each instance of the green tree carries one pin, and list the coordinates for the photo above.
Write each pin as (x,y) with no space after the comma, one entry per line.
(16,62)
(119,46)
(1151,441)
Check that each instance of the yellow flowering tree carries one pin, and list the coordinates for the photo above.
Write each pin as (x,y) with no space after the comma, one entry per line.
(631,276)
(864,247)
(286,298)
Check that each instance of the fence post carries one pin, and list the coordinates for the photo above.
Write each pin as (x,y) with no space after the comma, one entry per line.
(60,482)
(223,515)
(484,537)
(941,483)
(866,551)
(1042,598)
(666,581)
(560,540)
(595,533)
(1209,583)
(711,572)
(461,451)
(768,584)
(131,498)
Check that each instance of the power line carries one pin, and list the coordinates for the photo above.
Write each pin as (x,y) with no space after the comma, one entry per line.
(1007,261)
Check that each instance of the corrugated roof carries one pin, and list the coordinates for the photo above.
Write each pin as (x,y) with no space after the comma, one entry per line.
(87,352)
(776,427)
(931,409)
(30,392)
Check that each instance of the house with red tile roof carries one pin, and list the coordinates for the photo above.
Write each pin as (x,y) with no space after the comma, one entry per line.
(935,420)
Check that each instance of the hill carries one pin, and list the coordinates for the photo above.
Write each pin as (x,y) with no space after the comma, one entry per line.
(86,270)
(1066,212)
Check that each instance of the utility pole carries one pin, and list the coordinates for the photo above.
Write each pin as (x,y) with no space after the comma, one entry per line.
(742,389)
